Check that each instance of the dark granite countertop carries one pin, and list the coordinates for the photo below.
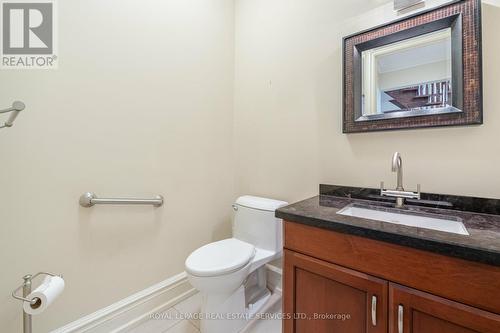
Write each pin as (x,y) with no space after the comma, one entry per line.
(481,245)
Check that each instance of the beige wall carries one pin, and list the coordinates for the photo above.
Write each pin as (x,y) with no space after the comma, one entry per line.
(288,109)
(141,105)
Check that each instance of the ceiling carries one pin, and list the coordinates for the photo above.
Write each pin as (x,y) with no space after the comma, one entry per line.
(417,56)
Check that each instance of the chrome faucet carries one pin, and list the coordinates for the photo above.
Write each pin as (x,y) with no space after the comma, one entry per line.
(399,193)
(397,166)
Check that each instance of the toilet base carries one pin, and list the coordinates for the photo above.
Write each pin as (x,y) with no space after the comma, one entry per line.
(223,313)
(229,313)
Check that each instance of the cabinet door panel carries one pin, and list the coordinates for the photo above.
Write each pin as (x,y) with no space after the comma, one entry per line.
(317,295)
(421,312)
(423,322)
(323,297)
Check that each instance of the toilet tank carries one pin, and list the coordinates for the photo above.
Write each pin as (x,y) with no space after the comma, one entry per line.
(254,222)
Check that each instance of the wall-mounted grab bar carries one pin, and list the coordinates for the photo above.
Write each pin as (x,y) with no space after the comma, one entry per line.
(89,199)
(16,107)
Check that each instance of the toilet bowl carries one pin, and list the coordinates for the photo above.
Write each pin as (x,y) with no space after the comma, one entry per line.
(230,274)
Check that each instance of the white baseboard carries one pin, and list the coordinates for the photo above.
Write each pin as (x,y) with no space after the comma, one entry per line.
(134,309)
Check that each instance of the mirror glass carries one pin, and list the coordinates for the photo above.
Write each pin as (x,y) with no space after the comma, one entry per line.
(411,77)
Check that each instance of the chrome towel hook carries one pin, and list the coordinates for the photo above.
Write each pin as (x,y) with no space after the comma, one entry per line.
(16,107)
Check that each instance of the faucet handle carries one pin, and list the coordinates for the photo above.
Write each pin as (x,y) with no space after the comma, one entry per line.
(381,187)
(418,191)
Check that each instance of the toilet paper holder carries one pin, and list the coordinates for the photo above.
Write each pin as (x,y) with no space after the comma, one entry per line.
(26,288)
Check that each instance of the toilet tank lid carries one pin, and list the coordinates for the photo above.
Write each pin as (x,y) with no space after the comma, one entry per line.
(260,203)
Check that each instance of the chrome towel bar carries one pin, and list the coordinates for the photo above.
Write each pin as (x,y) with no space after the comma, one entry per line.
(89,199)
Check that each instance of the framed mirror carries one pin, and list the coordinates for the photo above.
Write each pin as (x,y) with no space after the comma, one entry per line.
(421,71)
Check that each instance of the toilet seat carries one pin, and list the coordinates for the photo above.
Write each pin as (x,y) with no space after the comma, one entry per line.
(219,258)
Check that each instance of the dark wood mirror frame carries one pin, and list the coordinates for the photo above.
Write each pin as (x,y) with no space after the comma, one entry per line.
(464,19)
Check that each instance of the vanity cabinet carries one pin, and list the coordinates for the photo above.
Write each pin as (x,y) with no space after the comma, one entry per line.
(336,282)
(330,298)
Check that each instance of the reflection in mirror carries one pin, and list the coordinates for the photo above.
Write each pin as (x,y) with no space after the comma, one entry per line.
(408,78)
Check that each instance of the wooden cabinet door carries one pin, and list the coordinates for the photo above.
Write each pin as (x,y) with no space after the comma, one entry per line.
(321,297)
(413,311)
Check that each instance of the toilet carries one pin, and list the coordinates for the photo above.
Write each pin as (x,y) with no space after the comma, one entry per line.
(230,274)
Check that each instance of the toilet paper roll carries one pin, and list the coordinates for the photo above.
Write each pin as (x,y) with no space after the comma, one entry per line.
(46,293)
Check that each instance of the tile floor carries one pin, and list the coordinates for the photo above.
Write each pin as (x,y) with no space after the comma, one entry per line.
(170,321)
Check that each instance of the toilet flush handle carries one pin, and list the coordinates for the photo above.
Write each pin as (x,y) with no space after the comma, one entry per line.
(235,207)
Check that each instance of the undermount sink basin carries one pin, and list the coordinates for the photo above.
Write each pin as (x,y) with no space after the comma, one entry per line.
(449,224)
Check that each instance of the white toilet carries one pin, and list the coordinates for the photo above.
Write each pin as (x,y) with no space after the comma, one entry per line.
(231,273)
